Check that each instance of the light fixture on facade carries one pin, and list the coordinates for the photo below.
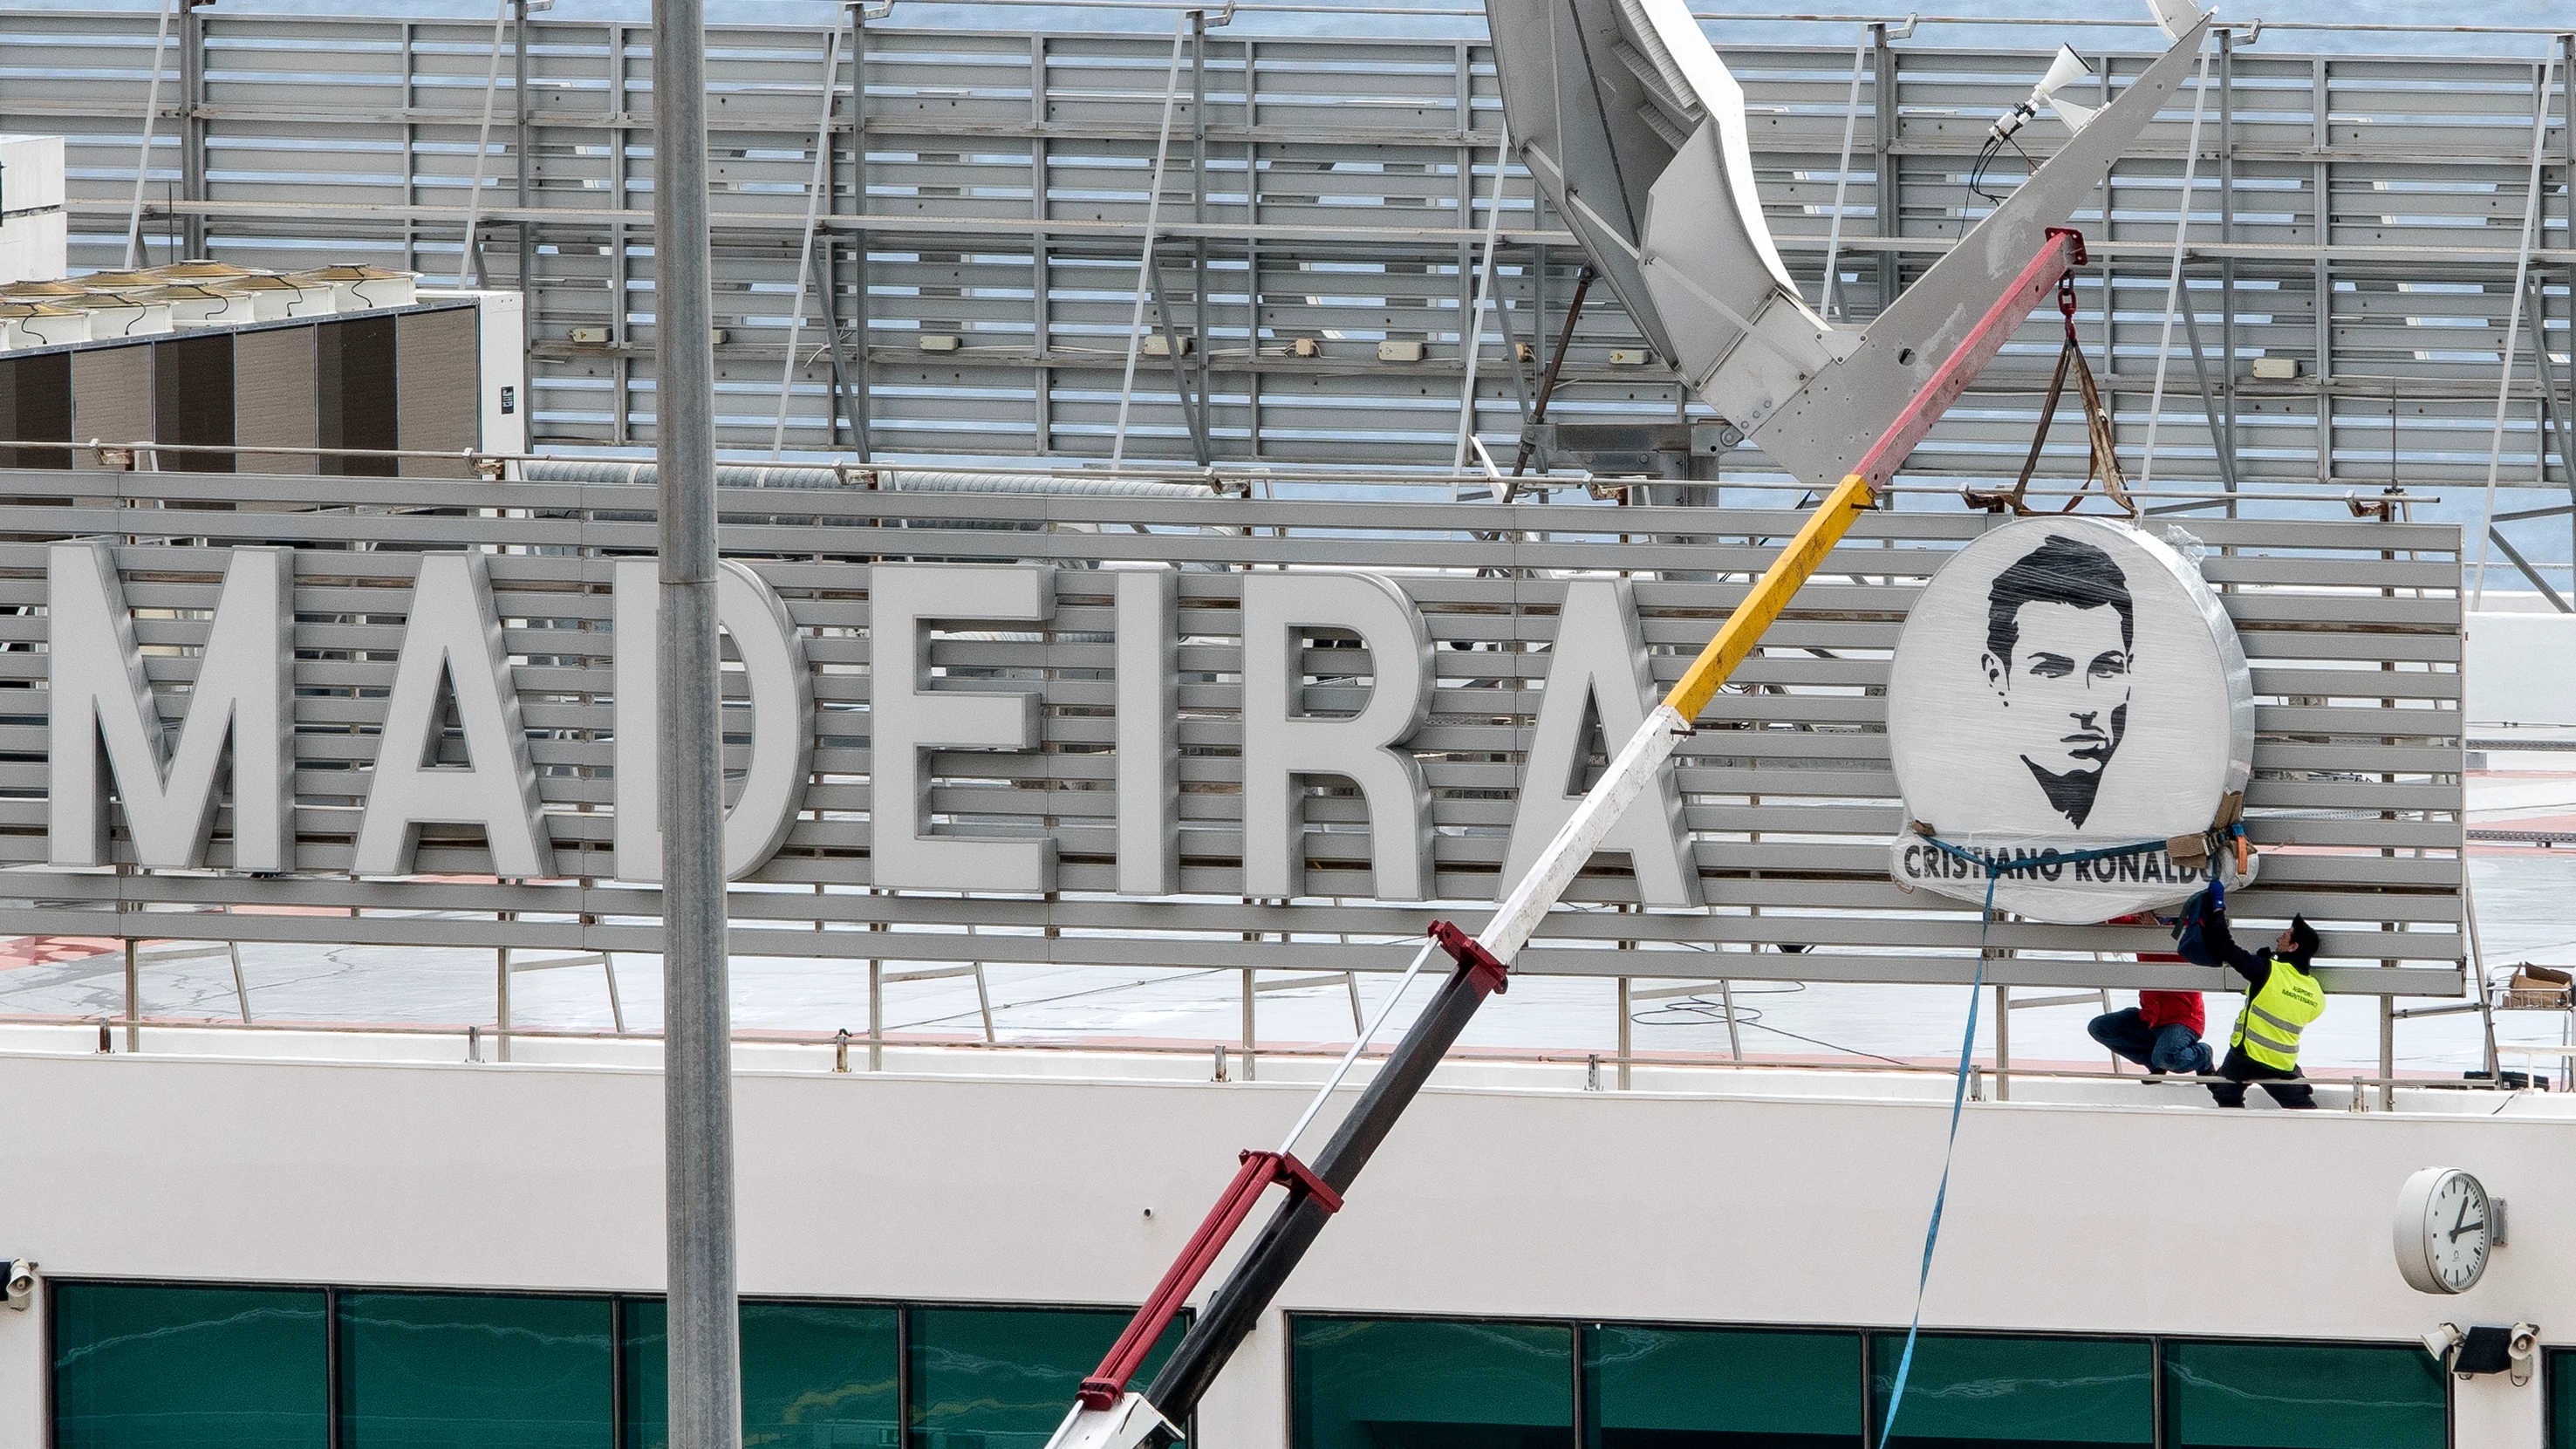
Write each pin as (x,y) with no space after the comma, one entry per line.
(2064,71)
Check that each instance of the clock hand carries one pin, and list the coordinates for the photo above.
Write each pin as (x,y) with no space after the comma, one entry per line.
(2462,1218)
(2467,1228)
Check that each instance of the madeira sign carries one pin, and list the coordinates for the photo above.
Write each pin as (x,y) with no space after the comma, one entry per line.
(1212,733)
(453,748)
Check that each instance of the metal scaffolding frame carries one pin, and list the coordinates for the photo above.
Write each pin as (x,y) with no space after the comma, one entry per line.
(988,185)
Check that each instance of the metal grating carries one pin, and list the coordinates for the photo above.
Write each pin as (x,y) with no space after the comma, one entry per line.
(2355,215)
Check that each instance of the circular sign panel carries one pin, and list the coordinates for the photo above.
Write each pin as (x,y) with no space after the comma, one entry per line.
(2064,686)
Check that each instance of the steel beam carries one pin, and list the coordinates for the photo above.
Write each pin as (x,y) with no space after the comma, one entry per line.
(519,162)
(705,1353)
(192,124)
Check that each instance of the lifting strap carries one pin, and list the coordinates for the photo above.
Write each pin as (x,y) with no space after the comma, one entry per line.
(2103,465)
(1996,868)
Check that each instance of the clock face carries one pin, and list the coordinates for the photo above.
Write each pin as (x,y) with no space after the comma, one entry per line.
(2445,1229)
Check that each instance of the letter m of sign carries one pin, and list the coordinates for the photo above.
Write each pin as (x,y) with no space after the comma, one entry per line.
(107,728)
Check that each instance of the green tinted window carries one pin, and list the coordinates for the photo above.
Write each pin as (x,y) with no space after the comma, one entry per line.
(1695,1388)
(814,1376)
(2562,1398)
(2040,1393)
(2302,1396)
(189,1368)
(449,1370)
(1391,1383)
(1003,1378)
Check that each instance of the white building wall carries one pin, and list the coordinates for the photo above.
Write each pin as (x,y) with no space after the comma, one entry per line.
(33,228)
(2516,669)
(2175,1220)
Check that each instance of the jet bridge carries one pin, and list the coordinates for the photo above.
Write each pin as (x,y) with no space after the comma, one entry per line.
(1636,133)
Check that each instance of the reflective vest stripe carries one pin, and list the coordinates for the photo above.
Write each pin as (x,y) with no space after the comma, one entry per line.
(2273,1042)
(2290,1030)
(2274,1017)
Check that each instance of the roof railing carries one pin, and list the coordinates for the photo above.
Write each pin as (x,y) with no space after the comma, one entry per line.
(837,1044)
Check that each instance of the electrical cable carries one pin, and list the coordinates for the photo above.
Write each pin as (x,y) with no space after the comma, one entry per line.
(1067,996)
(1706,1011)
(1977,174)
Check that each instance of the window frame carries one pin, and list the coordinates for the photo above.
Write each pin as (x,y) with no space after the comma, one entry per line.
(1574,1351)
(2558,1369)
(2155,1364)
(52,1347)
(1868,1429)
(1868,1334)
(2449,1381)
(903,1310)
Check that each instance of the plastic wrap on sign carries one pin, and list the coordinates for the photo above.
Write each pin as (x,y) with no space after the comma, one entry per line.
(2066,687)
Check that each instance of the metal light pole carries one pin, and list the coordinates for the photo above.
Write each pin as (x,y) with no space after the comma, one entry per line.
(697,1102)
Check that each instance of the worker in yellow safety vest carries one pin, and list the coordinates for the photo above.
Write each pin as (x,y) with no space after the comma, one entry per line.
(2281,998)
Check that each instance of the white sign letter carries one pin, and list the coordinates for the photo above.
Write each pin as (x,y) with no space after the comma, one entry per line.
(244,690)
(1149,729)
(1598,663)
(906,717)
(1281,741)
(455,634)
(782,718)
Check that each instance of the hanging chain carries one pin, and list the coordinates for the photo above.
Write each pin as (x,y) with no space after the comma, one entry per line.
(2103,464)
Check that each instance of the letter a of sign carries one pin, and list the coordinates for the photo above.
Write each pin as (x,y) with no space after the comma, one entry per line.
(455,634)
(1599,660)
(244,689)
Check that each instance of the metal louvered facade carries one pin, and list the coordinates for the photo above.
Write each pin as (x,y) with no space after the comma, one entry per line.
(2357,215)
(2353,630)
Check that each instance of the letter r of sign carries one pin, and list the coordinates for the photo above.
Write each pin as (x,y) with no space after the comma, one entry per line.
(1281,741)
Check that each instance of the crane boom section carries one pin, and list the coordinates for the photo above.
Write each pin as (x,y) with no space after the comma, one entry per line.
(1111,1415)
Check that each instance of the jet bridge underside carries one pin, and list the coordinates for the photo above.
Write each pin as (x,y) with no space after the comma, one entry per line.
(1633,127)
(1578,117)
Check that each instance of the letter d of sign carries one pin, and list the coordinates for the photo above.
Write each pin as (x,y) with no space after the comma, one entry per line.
(782,718)
(453,633)
(906,718)
(244,688)
(1281,741)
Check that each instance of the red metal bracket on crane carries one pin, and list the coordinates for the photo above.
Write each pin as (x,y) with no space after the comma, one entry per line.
(1469,952)
(1260,1169)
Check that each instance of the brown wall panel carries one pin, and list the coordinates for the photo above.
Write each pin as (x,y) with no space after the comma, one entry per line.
(437,354)
(111,397)
(192,399)
(273,398)
(36,403)
(353,368)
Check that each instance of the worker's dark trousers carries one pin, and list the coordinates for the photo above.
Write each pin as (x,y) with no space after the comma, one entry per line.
(2240,1069)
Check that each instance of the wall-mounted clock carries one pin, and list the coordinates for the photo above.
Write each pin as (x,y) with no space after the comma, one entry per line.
(2445,1230)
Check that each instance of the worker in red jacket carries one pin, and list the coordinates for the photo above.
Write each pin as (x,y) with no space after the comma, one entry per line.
(2163,1031)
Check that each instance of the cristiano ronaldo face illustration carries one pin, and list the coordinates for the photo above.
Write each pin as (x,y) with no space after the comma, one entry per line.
(2059,631)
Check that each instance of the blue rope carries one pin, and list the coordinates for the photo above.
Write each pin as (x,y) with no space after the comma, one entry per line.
(1995,871)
